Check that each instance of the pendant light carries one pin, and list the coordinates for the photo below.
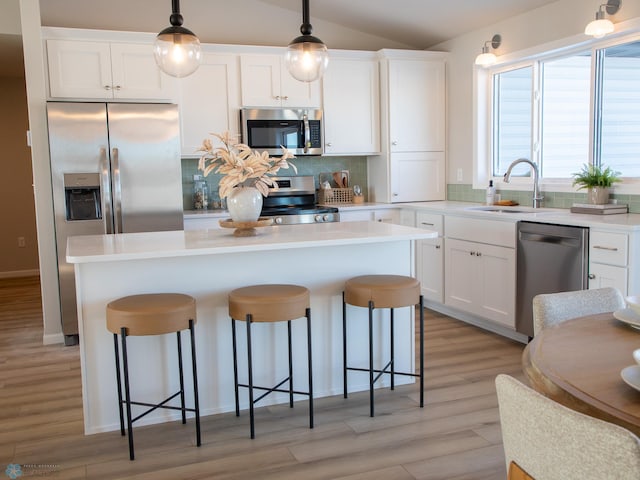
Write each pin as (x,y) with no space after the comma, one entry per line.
(177,49)
(487,58)
(307,57)
(601,26)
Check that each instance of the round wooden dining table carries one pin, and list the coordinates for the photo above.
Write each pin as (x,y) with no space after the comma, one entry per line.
(578,362)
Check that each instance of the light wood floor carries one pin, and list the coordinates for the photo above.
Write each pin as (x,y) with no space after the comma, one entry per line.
(456,436)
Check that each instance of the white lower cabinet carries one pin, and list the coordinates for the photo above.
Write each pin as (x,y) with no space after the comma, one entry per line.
(608,260)
(386,215)
(430,258)
(480,279)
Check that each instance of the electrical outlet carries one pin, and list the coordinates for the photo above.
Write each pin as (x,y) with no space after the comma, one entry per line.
(459,175)
(21,242)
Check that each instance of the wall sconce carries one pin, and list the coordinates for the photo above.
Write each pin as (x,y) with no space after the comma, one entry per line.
(307,57)
(177,49)
(487,58)
(601,26)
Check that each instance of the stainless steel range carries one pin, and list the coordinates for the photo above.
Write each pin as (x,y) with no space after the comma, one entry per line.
(294,202)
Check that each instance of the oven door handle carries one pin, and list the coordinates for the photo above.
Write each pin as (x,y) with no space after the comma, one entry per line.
(307,133)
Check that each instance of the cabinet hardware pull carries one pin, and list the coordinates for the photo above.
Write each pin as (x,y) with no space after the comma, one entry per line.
(437,247)
(426,223)
(472,253)
(395,194)
(591,276)
(277,97)
(329,144)
(107,87)
(611,249)
(286,97)
(479,254)
(118,87)
(394,143)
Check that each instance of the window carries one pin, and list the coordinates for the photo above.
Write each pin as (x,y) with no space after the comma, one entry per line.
(564,111)
(619,120)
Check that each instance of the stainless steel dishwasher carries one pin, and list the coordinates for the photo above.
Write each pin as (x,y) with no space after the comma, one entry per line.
(550,258)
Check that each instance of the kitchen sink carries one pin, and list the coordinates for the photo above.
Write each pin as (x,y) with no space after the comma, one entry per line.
(505,209)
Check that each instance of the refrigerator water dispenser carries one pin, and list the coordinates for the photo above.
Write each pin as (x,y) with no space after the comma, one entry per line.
(82,196)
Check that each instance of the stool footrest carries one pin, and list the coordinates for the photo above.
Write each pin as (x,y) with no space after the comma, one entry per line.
(383,371)
(272,389)
(155,406)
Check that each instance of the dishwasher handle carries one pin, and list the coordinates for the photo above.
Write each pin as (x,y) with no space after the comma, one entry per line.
(546,238)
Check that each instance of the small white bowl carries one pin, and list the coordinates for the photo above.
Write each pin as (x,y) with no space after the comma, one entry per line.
(634,303)
(636,355)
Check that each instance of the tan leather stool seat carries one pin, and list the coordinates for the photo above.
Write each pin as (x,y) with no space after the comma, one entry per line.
(151,313)
(386,291)
(269,303)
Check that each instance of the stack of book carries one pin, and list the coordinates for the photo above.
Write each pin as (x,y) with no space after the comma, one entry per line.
(605,209)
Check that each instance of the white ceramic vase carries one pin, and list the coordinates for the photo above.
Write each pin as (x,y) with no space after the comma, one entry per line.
(244,204)
(598,195)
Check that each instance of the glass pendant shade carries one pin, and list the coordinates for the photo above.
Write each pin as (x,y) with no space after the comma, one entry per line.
(485,59)
(307,58)
(599,28)
(177,53)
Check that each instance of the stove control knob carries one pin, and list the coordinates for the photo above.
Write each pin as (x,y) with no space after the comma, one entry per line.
(278,220)
(318,218)
(326,218)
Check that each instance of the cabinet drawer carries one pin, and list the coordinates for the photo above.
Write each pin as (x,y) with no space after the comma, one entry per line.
(609,248)
(430,221)
(482,231)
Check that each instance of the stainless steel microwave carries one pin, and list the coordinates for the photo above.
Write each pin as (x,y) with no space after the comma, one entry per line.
(299,130)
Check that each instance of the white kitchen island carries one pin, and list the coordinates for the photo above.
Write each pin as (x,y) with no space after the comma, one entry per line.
(207,264)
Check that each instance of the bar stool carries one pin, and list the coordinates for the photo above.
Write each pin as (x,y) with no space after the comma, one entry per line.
(382,291)
(266,304)
(152,314)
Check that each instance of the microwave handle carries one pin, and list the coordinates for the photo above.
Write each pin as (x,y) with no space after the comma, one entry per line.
(307,133)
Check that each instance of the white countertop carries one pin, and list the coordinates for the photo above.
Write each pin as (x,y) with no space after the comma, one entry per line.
(623,222)
(133,246)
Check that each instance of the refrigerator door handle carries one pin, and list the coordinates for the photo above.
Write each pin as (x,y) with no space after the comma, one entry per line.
(117,191)
(106,191)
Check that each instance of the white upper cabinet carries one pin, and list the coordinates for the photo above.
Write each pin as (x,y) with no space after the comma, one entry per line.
(209,100)
(411,167)
(351,100)
(105,70)
(267,83)
(416,105)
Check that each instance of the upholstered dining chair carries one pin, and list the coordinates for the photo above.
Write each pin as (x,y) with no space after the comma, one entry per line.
(544,440)
(553,308)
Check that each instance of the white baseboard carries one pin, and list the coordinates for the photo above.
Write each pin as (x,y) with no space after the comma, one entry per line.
(52,339)
(20,273)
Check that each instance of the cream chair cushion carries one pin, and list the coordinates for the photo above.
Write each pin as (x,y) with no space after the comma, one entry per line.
(551,442)
(553,308)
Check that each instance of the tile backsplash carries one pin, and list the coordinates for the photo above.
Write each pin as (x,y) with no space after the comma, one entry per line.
(465,193)
(314,166)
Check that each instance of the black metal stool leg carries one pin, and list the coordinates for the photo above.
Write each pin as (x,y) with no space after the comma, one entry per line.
(195,381)
(393,358)
(371,410)
(309,354)
(290,364)
(250,369)
(119,384)
(235,365)
(127,395)
(421,351)
(344,346)
(181,371)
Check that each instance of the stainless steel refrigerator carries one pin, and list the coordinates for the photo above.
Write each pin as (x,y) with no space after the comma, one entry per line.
(115,168)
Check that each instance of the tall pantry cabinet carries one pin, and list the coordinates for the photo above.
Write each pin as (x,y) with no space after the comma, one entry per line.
(411,167)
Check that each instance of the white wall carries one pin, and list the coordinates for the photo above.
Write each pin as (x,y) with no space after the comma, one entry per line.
(550,23)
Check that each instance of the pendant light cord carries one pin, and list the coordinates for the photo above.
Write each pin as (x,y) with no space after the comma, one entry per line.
(176,18)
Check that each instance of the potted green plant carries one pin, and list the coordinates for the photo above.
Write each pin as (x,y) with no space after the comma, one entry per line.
(598,180)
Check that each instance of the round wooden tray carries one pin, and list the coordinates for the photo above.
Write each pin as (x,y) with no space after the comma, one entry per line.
(246,229)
